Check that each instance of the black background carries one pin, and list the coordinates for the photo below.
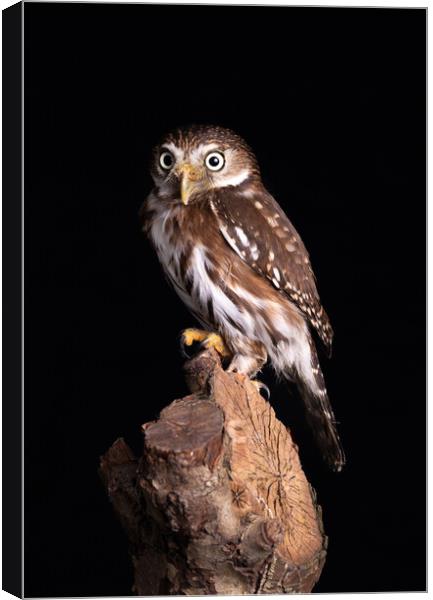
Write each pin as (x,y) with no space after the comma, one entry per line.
(333,103)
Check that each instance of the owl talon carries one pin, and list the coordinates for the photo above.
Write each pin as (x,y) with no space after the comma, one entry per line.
(183,352)
(205,338)
(188,337)
(214,340)
(191,335)
(260,386)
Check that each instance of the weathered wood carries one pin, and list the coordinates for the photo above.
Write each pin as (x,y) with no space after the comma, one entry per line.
(218,503)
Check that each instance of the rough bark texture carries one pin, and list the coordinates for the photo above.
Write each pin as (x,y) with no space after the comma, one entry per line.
(218,503)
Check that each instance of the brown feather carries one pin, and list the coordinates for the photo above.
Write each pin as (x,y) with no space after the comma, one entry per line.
(262,235)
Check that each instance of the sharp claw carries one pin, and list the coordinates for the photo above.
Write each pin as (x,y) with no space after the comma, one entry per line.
(182,345)
(262,387)
(267,391)
(183,352)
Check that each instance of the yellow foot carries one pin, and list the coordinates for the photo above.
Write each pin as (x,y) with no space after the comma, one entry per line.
(214,340)
(191,335)
(206,338)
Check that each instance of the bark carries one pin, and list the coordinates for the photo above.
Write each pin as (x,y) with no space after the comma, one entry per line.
(218,503)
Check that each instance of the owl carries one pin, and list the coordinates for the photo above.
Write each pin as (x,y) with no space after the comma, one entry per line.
(239,265)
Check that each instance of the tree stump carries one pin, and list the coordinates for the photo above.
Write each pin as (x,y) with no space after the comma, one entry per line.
(218,503)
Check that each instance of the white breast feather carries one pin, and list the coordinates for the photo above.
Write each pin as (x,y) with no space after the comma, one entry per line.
(204,289)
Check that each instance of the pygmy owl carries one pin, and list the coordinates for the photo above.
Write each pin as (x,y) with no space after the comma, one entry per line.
(239,265)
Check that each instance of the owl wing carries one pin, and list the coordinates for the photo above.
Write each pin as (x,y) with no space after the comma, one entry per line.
(261,234)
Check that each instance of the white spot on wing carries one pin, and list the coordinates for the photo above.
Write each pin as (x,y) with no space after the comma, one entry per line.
(242,236)
(255,252)
(232,242)
(272,222)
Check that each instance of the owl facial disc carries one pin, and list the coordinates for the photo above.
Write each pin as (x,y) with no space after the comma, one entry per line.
(190,163)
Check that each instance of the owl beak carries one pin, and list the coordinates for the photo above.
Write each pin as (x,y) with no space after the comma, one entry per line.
(188,176)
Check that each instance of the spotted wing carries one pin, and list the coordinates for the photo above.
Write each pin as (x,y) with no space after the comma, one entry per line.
(262,235)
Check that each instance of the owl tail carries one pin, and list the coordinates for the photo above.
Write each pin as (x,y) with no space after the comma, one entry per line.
(322,422)
(319,413)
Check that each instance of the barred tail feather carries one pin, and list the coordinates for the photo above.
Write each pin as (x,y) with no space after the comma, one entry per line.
(319,412)
(322,422)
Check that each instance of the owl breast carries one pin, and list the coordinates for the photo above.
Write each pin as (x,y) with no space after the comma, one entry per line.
(187,242)
(173,249)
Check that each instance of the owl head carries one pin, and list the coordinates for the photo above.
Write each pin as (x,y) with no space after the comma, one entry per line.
(198,159)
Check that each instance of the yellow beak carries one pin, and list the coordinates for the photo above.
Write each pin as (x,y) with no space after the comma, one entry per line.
(189,176)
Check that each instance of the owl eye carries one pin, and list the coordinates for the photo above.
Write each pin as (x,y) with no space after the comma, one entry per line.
(166,160)
(215,161)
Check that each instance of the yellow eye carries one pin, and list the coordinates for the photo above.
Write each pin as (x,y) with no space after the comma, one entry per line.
(215,161)
(166,160)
